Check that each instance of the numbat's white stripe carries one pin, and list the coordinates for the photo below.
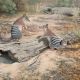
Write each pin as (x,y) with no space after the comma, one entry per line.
(15,33)
(55,42)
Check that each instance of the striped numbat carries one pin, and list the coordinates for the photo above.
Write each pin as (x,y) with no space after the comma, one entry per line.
(54,41)
(17,27)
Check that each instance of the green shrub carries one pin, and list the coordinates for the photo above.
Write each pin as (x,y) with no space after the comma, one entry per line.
(7,6)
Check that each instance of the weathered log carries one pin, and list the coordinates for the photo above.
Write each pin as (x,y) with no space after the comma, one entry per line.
(23,51)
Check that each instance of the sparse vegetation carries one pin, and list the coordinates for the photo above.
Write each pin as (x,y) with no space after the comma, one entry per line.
(49,48)
(34,6)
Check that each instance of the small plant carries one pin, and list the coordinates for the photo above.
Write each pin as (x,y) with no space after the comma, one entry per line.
(7,6)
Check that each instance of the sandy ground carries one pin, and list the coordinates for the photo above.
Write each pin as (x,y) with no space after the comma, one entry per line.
(50,65)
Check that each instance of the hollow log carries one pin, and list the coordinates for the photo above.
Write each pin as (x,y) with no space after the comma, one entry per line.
(23,51)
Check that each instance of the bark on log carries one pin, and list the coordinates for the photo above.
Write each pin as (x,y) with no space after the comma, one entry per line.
(23,51)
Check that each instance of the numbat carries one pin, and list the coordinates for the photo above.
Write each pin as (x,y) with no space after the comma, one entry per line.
(54,41)
(18,26)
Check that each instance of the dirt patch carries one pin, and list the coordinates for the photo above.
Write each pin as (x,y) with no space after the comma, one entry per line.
(49,65)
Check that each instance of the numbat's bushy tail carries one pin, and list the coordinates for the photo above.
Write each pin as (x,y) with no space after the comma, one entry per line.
(55,42)
(72,37)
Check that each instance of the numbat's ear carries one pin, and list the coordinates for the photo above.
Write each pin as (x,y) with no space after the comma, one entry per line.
(45,26)
(26,17)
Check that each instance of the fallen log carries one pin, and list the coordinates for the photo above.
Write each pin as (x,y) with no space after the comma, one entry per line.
(23,51)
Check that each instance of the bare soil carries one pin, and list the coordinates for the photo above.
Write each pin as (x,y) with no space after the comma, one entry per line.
(50,64)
